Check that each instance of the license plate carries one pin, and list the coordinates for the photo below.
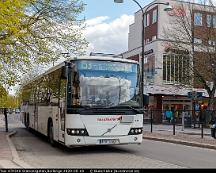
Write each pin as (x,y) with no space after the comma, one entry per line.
(108,141)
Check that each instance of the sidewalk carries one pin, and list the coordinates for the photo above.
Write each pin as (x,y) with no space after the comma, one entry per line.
(188,136)
(9,157)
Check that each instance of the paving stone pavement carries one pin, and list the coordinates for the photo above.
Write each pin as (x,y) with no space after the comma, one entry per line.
(164,133)
(188,136)
(6,155)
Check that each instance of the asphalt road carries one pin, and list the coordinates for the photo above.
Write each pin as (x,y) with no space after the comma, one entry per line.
(36,151)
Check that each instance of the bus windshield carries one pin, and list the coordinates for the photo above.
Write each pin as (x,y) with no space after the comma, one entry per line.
(107,83)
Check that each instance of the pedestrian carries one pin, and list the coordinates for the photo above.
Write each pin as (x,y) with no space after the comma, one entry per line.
(169,115)
(197,108)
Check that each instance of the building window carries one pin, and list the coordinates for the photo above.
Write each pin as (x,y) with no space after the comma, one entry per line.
(214,21)
(176,69)
(198,19)
(209,20)
(197,41)
(147,20)
(154,16)
(154,37)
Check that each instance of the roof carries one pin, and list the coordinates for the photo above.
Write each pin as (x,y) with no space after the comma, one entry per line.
(104,58)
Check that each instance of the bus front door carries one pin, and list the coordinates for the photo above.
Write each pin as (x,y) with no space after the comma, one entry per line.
(62,121)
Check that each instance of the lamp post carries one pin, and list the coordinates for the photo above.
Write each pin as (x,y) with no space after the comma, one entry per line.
(167,8)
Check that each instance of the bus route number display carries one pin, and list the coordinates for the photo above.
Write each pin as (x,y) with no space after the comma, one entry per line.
(107,66)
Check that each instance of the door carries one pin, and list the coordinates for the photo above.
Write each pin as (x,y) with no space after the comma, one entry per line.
(62,110)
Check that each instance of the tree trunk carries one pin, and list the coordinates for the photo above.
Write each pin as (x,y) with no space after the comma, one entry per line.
(211,106)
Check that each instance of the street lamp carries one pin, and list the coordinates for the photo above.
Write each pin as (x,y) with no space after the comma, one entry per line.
(167,8)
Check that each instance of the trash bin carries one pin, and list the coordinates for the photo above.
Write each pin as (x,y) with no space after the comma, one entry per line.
(187,121)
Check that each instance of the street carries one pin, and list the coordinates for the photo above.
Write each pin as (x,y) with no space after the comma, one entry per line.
(36,151)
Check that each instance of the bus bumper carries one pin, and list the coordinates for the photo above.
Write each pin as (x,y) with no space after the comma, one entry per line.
(71,141)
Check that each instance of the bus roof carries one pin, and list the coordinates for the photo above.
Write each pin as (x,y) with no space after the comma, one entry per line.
(102,58)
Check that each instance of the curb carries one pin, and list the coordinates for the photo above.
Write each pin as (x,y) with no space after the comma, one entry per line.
(15,157)
(182,142)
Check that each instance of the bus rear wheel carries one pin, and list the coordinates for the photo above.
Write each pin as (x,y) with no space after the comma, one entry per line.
(50,135)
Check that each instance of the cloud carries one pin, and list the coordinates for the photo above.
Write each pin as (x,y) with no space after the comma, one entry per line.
(107,36)
(96,21)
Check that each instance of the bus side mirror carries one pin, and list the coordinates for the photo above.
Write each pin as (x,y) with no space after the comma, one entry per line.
(64,73)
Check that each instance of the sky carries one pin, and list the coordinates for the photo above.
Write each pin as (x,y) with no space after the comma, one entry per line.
(107,24)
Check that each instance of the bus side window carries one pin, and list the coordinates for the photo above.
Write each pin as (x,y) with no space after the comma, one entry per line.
(75,89)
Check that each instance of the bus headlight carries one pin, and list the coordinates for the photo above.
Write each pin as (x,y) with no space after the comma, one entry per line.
(77,132)
(135,131)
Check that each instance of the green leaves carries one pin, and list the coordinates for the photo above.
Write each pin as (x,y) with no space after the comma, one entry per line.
(36,32)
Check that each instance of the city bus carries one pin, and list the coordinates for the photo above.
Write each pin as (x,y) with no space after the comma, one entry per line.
(92,100)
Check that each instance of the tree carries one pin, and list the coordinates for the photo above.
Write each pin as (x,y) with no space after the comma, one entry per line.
(3,91)
(182,34)
(36,33)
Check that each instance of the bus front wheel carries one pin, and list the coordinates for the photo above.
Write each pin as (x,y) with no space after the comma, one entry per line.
(50,135)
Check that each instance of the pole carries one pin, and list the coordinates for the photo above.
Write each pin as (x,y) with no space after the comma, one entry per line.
(142,40)
(183,116)
(201,130)
(6,120)
(173,125)
(143,45)
(151,121)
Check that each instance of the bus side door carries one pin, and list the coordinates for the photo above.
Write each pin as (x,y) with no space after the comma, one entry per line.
(62,109)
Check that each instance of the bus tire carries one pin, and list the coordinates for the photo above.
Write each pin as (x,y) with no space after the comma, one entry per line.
(50,135)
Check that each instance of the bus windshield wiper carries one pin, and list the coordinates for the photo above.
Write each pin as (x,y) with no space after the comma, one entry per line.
(90,107)
(124,106)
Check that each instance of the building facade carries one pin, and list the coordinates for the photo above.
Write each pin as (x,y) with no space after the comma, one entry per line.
(167,76)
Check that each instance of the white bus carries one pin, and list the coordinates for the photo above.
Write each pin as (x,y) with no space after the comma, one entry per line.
(86,101)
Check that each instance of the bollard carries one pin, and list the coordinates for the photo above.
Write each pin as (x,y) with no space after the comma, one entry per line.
(173,126)
(201,130)
(151,121)
(183,121)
